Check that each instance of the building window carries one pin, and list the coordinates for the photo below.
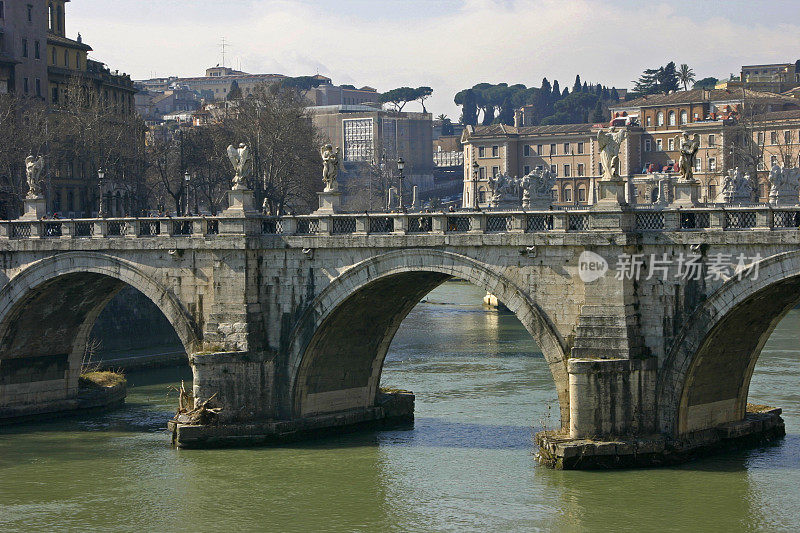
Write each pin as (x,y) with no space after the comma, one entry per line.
(566,148)
(2,10)
(495,171)
(773,160)
(647,145)
(554,169)
(760,138)
(38,87)
(672,118)
(648,120)
(580,148)
(358,139)
(482,196)
(712,191)
(670,143)
(25,85)
(659,144)
(787,137)
(54,96)
(526,170)
(712,164)
(482,173)
(684,117)
(581,193)
(567,197)
(495,151)
(787,160)
(660,118)
(773,137)
(539,149)
(77,60)
(30,13)
(37,50)
(24,47)
(526,150)
(53,56)
(712,140)
(600,168)
(580,169)
(481,151)
(66,59)
(552,149)
(566,171)
(698,165)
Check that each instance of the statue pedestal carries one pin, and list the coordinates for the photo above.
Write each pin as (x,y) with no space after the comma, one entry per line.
(783,197)
(611,195)
(686,193)
(240,203)
(329,202)
(34,208)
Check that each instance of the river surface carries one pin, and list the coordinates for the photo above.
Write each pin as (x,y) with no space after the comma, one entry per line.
(482,390)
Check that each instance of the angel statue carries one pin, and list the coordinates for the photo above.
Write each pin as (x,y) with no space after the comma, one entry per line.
(610,143)
(689,146)
(242,164)
(33,169)
(330,167)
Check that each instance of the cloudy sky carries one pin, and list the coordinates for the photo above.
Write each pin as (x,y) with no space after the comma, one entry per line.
(446,44)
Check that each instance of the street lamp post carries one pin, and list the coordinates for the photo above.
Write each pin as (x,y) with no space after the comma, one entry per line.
(186,179)
(101,174)
(400,165)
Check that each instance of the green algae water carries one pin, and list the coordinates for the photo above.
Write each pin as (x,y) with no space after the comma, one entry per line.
(482,390)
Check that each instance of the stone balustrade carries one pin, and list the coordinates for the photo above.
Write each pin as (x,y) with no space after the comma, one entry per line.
(572,220)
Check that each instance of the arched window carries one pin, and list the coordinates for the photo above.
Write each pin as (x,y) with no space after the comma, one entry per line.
(582,193)
(672,118)
(684,117)
(660,118)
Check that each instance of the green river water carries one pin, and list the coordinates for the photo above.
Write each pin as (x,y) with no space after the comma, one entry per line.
(482,390)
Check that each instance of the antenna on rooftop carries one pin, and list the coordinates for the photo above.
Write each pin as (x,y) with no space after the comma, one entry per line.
(223,45)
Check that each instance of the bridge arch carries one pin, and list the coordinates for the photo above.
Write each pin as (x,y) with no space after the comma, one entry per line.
(337,348)
(705,378)
(48,309)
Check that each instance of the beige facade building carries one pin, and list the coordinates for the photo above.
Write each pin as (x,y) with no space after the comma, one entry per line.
(570,151)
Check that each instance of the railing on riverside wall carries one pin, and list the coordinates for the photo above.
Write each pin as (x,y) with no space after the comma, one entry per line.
(700,218)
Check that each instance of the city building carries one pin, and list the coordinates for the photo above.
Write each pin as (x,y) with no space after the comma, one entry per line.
(23,47)
(569,151)
(373,137)
(773,77)
(722,118)
(217,82)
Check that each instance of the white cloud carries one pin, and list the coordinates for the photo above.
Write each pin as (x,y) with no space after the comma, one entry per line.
(479,40)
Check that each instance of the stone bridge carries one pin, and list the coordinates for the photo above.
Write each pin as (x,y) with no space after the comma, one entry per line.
(287,320)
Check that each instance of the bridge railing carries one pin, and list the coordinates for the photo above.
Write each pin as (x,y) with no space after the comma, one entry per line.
(713,218)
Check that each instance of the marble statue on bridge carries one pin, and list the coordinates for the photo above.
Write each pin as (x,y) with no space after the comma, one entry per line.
(504,191)
(330,167)
(736,188)
(689,147)
(783,185)
(33,172)
(610,143)
(242,164)
(537,189)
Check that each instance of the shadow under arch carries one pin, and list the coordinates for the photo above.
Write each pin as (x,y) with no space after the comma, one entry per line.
(49,307)
(705,378)
(337,348)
